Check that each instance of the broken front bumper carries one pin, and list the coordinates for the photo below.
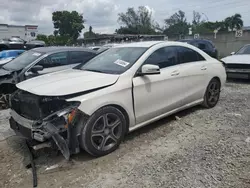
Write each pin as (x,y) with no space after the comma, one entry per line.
(50,129)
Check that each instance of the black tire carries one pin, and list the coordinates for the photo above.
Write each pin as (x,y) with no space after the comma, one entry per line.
(212,94)
(96,134)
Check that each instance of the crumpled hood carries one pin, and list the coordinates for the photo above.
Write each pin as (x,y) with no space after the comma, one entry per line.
(237,59)
(67,82)
(4,72)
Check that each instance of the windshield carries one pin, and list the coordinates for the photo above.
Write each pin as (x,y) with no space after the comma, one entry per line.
(244,50)
(114,60)
(23,60)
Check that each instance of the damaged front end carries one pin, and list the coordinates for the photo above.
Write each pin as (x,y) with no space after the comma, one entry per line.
(8,80)
(47,119)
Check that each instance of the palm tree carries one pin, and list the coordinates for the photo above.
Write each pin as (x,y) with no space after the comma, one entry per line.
(234,22)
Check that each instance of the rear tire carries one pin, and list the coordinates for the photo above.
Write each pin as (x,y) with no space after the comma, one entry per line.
(103,132)
(212,94)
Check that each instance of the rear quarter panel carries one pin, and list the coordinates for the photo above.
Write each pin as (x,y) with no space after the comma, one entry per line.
(216,69)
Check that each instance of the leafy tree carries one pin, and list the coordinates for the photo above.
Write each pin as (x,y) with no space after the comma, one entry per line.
(176,25)
(234,22)
(136,22)
(68,24)
(53,40)
(42,38)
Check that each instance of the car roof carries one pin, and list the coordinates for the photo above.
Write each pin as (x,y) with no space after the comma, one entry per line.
(149,44)
(145,44)
(196,40)
(61,49)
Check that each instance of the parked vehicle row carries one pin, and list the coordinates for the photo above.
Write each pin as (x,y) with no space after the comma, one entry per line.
(18,43)
(95,104)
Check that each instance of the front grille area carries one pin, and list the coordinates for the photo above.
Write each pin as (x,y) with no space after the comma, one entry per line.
(238,66)
(35,107)
(26,105)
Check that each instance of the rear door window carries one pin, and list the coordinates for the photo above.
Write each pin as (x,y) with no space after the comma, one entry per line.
(187,55)
(55,60)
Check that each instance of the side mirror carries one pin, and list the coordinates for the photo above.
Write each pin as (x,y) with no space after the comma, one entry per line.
(232,53)
(149,69)
(36,68)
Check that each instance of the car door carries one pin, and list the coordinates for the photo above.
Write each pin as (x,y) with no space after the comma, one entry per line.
(52,63)
(194,71)
(155,95)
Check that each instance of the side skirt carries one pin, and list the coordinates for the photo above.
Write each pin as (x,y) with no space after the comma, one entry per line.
(131,129)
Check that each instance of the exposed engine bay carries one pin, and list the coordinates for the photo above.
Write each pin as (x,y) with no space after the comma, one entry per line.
(47,119)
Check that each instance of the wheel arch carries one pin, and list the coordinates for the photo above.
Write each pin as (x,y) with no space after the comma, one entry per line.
(124,112)
(119,107)
(216,78)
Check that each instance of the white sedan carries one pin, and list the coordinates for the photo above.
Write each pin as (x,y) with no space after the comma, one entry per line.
(93,106)
(238,64)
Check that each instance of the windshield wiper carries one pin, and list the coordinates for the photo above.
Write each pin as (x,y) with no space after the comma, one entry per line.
(93,70)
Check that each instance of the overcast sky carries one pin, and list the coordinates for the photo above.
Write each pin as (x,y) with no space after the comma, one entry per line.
(102,14)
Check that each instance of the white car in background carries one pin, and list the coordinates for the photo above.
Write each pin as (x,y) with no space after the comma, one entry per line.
(127,87)
(238,64)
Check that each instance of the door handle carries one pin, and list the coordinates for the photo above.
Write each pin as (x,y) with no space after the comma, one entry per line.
(204,68)
(175,73)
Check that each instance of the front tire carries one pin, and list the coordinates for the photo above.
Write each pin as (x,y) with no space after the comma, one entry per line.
(104,131)
(212,94)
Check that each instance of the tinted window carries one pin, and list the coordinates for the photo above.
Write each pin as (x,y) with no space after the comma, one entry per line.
(163,57)
(114,60)
(188,55)
(80,57)
(54,60)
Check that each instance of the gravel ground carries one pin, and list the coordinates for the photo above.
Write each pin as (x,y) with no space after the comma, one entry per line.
(198,149)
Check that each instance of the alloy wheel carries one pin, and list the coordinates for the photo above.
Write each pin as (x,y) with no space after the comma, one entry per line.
(106,131)
(213,92)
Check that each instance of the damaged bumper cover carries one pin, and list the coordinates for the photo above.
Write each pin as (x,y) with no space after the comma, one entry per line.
(59,127)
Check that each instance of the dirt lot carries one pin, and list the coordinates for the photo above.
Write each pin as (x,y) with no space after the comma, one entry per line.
(199,148)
